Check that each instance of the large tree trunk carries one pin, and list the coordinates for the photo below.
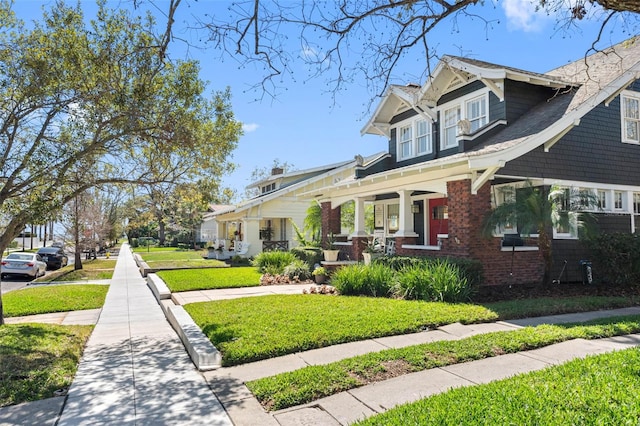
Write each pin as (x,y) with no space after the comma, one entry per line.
(161,230)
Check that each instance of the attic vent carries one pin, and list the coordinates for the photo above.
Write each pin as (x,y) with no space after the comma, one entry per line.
(277,171)
(416,85)
(454,83)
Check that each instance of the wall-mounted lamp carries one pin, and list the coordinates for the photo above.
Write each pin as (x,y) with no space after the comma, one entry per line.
(415,208)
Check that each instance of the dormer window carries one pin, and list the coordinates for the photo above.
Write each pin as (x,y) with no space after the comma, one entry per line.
(414,139)
(269,188)
(472,109)
(477,112)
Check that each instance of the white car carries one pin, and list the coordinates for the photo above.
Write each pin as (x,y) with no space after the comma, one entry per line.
(22,263)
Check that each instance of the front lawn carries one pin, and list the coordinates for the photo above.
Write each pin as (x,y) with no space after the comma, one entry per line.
(253,328)
(38,359)
(203,279)
(168,258)
(314,382)
(94,269)
(598,390)
(53,298)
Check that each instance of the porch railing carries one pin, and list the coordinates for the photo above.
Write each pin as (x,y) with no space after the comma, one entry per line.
(275,245)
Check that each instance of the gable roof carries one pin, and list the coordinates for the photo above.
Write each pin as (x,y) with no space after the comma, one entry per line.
(327,171)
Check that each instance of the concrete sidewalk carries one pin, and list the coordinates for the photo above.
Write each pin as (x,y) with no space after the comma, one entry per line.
(356,404)
(134,370)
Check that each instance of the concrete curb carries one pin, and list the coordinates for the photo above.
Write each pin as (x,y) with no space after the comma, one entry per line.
(158,287)
(202,352)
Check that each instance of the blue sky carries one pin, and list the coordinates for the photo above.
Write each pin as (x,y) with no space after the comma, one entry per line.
(306,127)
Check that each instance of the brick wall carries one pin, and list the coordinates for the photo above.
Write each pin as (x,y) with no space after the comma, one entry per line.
(466,215)
(330,221)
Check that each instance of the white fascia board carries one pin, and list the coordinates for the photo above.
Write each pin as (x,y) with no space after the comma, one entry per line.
(550,133)
(370,124)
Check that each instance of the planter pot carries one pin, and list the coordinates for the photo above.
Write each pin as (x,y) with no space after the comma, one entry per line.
(331,255)
(320,278)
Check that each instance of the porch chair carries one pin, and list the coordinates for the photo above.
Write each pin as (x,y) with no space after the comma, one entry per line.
(243,248)
(390,250)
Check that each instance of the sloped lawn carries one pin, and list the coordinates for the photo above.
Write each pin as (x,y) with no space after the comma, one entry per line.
(53,298)
(254,328)
(167,258)
(38,359)
(598,390)
(94,269)
(205,279)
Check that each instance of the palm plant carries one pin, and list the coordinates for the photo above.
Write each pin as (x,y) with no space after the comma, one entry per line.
(539,210)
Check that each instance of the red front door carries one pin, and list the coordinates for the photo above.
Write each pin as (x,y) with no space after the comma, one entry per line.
(438,219)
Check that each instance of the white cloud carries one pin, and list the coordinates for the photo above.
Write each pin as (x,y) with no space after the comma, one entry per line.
(309,53)
(522,15)
(250,127)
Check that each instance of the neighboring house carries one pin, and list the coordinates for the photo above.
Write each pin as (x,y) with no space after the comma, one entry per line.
(476,127)
(265,220)
(208,232)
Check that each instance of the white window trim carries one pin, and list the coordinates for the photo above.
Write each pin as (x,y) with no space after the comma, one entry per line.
(461,103)
(413,123)
(623,95)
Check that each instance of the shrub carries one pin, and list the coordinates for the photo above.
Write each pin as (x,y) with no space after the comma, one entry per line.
(298,269)
(617,257)
(273,262)
(436,281)
(311,255)
(134,242)
(469,268)
(366,280)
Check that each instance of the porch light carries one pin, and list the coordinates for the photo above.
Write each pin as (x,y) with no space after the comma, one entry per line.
(415,208)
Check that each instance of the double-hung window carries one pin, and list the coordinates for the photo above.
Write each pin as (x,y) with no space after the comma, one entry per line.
(477,112)
(406,142)
(423,136)
(414,139)
(636,203)
(450,127)
(602,199)
(630,112)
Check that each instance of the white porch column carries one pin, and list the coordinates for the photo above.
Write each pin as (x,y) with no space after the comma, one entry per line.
(358,223)
(251,235)
(405,228)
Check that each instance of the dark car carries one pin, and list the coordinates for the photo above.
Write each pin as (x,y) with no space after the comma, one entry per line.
(54,256)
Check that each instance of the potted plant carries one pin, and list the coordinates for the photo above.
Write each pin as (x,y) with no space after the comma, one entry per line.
(331,252)
(370,251)
(320,274)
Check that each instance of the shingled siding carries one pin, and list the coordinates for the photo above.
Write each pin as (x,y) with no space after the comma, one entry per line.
(590,152)
(522,97)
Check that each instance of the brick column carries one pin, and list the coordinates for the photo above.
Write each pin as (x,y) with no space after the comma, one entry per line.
(330,221)
(358,245)
(405,240)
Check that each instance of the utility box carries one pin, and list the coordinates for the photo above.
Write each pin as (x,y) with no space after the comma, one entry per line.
(587,272)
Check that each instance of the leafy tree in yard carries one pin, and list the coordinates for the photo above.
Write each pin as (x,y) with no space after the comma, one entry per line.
(539,210)
(85,104)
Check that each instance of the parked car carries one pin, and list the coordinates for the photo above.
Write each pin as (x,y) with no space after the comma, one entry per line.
(22,263)
(55,257)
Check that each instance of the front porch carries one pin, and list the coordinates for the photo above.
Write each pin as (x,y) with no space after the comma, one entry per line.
(437,224)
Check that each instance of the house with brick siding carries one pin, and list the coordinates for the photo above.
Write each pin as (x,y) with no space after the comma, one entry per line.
(475,128)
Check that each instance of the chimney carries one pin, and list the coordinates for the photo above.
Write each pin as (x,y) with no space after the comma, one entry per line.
(277,171)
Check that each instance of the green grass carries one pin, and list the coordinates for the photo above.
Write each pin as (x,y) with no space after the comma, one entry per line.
(253,328)
(314,382)
(38,359)
(170,255)
(598,390)
(54,298)
(525,308)
(95,269)
(201,279)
